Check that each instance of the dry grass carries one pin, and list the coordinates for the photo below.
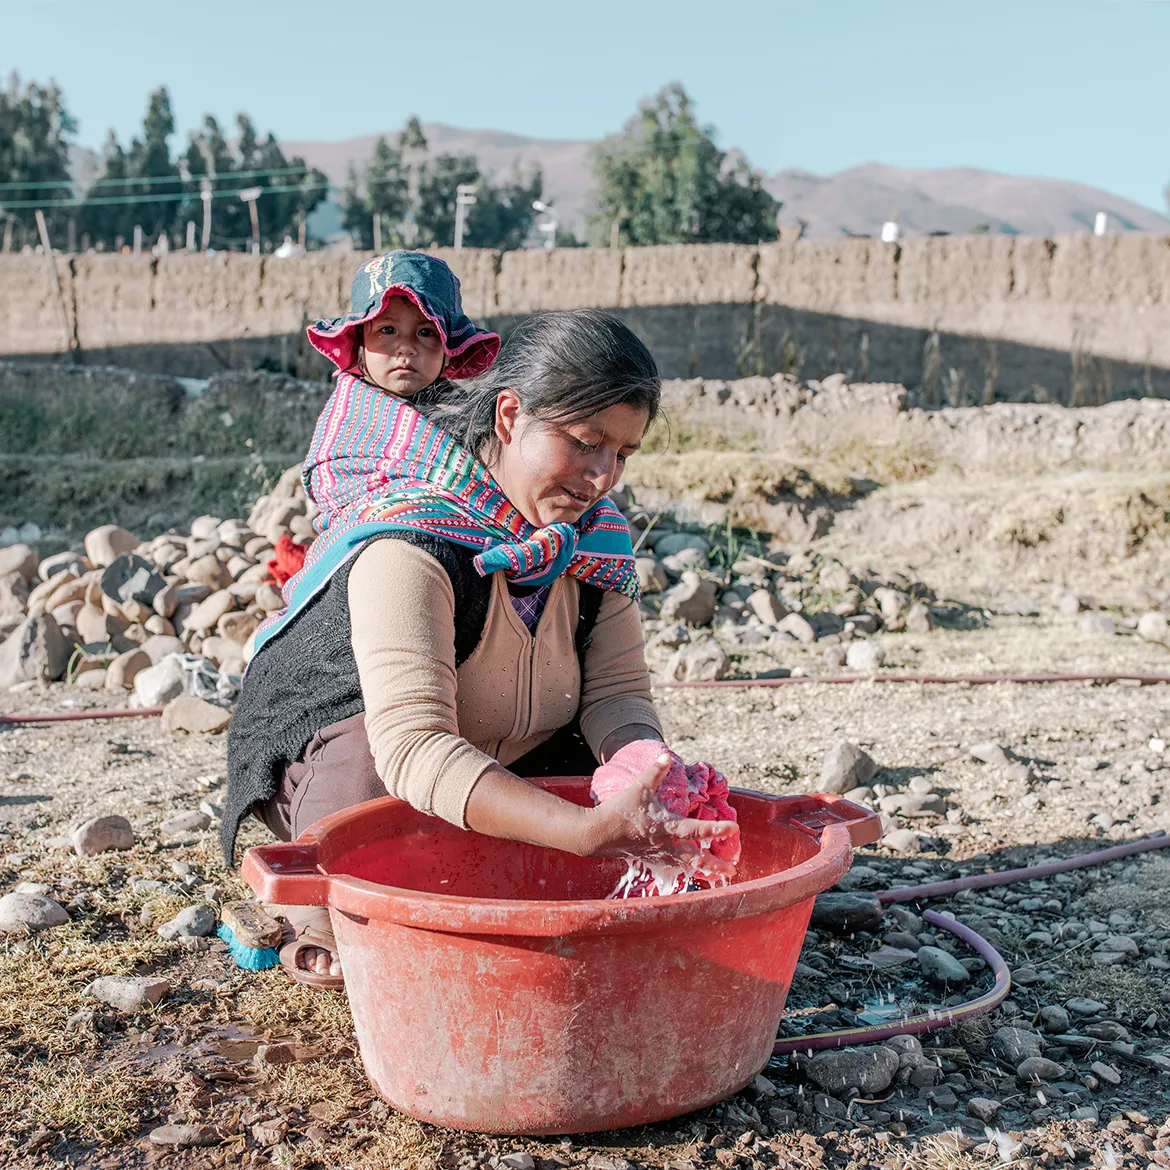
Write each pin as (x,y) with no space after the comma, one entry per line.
(67,1097)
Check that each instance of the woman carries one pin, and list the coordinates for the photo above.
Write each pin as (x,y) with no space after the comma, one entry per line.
(425,662)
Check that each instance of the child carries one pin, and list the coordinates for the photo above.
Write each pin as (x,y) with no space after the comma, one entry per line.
(406,329)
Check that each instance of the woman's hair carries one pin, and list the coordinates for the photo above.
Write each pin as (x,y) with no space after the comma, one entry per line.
(564,367)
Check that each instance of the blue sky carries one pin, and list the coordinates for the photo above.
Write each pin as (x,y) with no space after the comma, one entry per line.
(1076,89)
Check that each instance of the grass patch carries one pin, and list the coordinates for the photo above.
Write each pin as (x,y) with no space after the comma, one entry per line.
(66,1097)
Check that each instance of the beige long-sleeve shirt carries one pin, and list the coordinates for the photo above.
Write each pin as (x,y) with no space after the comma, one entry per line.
(434,729)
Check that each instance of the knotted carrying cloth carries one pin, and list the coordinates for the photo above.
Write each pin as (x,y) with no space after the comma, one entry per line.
(413,476)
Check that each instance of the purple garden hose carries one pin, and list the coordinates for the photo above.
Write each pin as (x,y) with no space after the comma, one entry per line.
(942,1018)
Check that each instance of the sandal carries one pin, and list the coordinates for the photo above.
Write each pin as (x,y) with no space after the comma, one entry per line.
(310,933)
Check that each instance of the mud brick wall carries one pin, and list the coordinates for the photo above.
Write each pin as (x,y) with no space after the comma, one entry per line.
(960,320)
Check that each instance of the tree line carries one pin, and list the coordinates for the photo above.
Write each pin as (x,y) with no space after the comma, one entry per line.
(662,179)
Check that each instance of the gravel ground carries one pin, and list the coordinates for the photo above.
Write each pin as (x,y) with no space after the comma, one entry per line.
(270,1070)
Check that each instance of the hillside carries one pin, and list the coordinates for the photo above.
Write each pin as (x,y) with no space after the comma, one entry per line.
(858,200)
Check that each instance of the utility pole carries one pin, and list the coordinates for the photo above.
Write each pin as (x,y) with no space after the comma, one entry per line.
(250,196)
(464,198)
(205,195)
(138,239)
(47,247)
(190,235)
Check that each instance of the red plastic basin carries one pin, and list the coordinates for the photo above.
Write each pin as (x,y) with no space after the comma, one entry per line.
(494,988)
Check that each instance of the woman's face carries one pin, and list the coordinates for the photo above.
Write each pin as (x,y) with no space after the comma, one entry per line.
(554,472)
(402,350)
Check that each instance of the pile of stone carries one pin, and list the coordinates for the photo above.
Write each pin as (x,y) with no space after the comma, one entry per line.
(124,615)
(707,602)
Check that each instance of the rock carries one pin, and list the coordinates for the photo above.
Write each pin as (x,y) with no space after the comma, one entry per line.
(1080,1006)
(919,618)
(651,577)
(989,753)
(269,598)
(864,655)
(162,683)
(1105,1072)
(1154,627)
(692,600)
(35,651)
(834,657)
(914,804)
(19,558)
(799,627)
(131,578)
(204,616)
(983,1109)
(187,713)
(846,913)
(72,589)
(1098,623)
(671,543)
(699,662)
(166,601)
(1039,1068)
(182,1136)
(128,993)
(1055,1020)
(1012,1045)
(69,562)
(237,627)
(942,968)
(156,626)
(767,606)
(101,834)
(208,571)
(185,822)
(1070,604)
(19,912)
(190,922)
(846,766)
(96,627)
(518,1161)
(868,1070)
(125,669)
(893,606)
(159,646)
(104,545)
(269,1133)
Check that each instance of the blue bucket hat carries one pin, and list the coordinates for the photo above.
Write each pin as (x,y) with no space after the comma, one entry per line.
(433,288)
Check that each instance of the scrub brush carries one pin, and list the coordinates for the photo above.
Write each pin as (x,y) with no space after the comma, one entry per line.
(252,937)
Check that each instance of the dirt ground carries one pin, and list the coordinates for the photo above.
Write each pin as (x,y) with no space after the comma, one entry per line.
(272,1068)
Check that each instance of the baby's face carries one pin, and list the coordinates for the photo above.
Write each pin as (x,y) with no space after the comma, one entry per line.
(403,350)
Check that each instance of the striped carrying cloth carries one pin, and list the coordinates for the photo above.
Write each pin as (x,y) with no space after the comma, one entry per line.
(376,465)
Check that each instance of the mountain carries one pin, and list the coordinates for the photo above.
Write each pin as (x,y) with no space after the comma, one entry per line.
(959,200)
(565,164)
(858,200)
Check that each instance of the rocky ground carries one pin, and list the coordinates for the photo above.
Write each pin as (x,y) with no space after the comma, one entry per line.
(128,1037)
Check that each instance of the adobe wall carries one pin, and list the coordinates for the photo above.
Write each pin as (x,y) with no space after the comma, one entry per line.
(959,320)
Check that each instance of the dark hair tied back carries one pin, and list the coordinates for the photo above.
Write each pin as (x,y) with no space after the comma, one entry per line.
(563,367)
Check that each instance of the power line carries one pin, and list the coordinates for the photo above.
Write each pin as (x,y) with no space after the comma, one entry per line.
(174,197)
(69,184)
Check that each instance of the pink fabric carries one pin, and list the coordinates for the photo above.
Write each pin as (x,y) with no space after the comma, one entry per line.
(688,790)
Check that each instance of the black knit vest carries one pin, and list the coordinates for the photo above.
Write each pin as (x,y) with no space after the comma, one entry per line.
(306,679)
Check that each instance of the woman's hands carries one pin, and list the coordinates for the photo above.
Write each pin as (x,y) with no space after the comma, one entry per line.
(635,823)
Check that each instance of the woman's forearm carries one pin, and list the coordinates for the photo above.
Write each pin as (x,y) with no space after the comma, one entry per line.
(503,805)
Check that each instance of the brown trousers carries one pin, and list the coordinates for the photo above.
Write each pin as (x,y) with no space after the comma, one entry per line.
(336,771)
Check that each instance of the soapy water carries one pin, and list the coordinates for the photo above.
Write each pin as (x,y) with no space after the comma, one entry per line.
(648,879)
